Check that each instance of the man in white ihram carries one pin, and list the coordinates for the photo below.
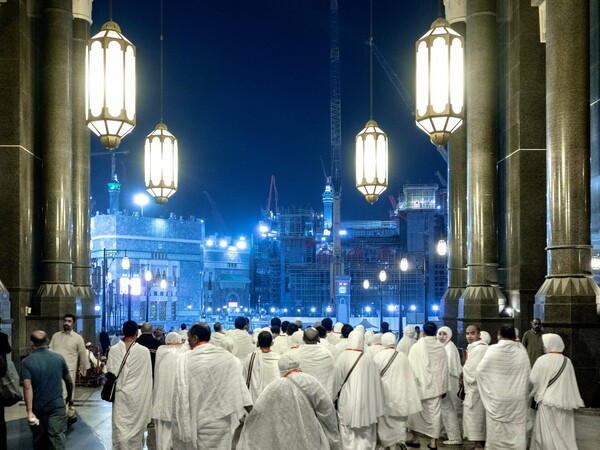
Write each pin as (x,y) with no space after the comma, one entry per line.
(316,360)
(429,364)
(260,366)
(210,395)
(306,420)
(503,378)
(473,411)
(242,341)
(132,407)
(164,383)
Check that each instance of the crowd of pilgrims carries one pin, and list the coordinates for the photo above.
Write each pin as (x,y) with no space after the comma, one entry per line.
(339,387)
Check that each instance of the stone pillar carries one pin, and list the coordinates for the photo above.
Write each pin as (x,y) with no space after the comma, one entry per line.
(523,209)
(456,14)
(82,18)
(569,300)
(482,300)
(19,165)
(56,295)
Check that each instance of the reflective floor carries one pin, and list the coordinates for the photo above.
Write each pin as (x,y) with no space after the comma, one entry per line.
(93,429)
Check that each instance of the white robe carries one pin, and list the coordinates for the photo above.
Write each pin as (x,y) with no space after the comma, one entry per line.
(473,411)
(164,383)
(360,401)
(264,370)
(405,344)
(335,352)
(333,338)
(451,402)
(318,362)
(400,397)
(281,344)
(242,343)
(429,363)
(71,346)
(132,407)
(374,349)
(287,415)
(208,399)
(218,339)
(554,427)
(503,377)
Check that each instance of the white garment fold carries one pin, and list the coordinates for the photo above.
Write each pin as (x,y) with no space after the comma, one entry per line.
(165,370)
(429,364)
(401,396)
(318,362)
(295,414)
(132,407)
(264,371)
(209,397)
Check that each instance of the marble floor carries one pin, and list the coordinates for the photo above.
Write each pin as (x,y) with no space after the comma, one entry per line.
(96,414)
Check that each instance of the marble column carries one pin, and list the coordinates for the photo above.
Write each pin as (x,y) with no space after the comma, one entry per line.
(56,295)
(19,165)
(569,300)
(456,14)
(82,19)
(523,153)
(482,300)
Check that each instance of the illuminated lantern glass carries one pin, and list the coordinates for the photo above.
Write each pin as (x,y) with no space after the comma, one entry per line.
(371,161)
(110,85)
(161,164)
(440,105)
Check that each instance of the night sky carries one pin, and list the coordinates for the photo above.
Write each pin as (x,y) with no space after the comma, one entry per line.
(247,95)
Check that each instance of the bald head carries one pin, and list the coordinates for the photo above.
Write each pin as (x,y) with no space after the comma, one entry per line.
(39,338)
(311,336)
(146,328)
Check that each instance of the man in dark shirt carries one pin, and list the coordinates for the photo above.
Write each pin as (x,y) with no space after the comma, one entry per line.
(150,342)
(104,339)
(532,340)
(41,374)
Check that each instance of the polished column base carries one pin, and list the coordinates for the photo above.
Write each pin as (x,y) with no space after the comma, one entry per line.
(569,307)
(50,303)
(480,305)
(449,310)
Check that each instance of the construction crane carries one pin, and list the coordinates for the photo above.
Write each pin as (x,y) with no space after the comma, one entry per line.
(401,89)
(272,188)
(217,214)
(337,263)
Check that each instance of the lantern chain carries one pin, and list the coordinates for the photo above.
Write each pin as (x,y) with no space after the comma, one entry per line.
(162,76)
(371,59)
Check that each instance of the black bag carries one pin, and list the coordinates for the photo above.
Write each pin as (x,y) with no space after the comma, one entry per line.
(461,393)
(110,383)
(9,392)
(534,404)
(108,389)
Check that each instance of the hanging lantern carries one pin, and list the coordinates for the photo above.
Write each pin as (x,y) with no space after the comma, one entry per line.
(161,164)
(440,82)
(371,161)
(110,85)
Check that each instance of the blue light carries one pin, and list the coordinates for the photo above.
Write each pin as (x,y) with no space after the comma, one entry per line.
(343,232)
(413,308)
(435,307)
(368,309)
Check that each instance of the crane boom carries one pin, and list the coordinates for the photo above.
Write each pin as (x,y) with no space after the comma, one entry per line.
(217,214)
(273,187)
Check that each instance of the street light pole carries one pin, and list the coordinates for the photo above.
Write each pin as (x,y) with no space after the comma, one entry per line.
(104,270)
(382,278)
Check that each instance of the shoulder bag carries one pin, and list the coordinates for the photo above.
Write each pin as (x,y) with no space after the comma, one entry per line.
(9,391)
(534,404)
(251,365)
(387,366)
(108,390)
(335,403)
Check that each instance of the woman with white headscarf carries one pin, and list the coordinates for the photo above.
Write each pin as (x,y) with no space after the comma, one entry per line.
(486,337)
(450,403)
(407,341)
(401,397)
(360,395)
(556,392)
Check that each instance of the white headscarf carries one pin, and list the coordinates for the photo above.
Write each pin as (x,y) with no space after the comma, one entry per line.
(368,335)
(374,339)
(552,343)
(454,366)
(356,340)
(485,337)
(388,340)
(173,338)
(446,330)
(409,331)
(360,328)
(338,327)
(288,361)
(297,338)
